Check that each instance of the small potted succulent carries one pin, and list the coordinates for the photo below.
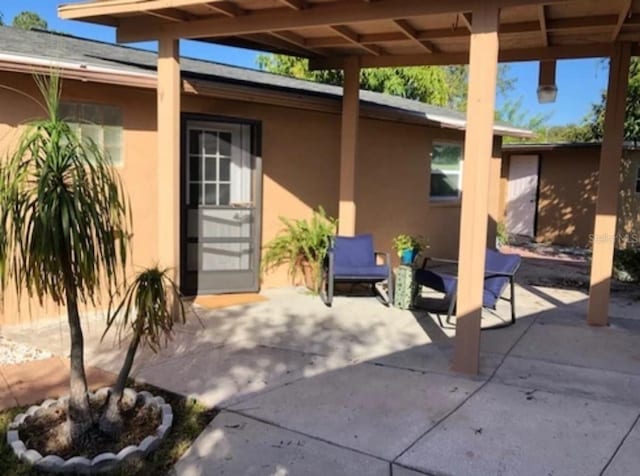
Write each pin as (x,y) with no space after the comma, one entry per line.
(408,247)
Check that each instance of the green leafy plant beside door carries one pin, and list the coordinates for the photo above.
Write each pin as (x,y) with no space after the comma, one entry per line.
(301,245)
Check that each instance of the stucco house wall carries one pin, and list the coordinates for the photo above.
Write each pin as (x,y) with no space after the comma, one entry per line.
(567,191)
(300,153)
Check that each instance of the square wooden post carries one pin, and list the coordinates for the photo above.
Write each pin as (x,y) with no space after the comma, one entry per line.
(168,166)
(483,72)
(349,147)
(608,187)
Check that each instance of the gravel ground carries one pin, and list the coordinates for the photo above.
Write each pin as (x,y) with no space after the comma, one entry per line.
(14,353)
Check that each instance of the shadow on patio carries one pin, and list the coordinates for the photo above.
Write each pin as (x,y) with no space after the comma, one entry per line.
(360,388)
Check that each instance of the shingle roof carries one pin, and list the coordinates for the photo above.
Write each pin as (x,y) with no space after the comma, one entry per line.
(71,49)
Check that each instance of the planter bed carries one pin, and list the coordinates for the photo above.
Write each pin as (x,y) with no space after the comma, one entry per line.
(159,438)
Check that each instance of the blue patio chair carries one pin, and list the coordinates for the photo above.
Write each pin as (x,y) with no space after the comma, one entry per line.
(500,271)
(353,259)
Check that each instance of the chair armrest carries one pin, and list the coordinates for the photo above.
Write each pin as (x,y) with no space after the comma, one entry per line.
(387,257)
(488,273)
(497,274)
(438,260)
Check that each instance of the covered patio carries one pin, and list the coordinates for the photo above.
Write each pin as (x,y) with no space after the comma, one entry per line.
(362,389)
(351,35)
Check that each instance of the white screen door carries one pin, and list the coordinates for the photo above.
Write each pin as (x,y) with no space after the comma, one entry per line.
(522,195)
(220,212)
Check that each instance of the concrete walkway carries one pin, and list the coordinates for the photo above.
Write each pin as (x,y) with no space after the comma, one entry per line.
(360,389)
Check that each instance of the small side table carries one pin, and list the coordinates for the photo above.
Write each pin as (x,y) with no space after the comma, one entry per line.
(406,288)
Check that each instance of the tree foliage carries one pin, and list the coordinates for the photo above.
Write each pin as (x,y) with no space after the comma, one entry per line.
(29,20)
(594,122)
(65,222)
(438,85)
(149,309)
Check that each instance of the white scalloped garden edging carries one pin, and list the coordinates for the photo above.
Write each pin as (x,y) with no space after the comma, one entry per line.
(102,462)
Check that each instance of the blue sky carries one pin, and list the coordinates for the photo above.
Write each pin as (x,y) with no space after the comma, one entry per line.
(580,82)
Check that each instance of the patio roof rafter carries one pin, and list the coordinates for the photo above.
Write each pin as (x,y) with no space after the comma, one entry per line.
(316,15)
(171,14)
(505,56)
(544,26)
(353,38)
(467,19)
(412,34)
(295,4)
(542,17)
(624,14)
(229,9)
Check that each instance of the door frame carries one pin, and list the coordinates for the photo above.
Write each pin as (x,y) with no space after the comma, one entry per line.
(255,152)
(537,197)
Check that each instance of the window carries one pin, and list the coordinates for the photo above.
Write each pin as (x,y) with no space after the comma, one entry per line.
(209,167)
(101,123)
(638,180)
(446,170)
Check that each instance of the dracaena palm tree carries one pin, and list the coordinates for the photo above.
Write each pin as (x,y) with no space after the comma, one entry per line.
(65,221)
(149,308)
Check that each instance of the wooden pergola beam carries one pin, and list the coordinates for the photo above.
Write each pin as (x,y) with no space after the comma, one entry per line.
(563,24)
(278,43)
(542,18)
(353,38)
(624,13)
(114,7)
(317,15)
(506,56)
(228,9)
(467,19)
(410,33)
(296,40)
(232,10)
(295,4)
(170,14)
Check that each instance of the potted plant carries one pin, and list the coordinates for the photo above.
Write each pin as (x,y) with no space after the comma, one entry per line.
(408,247)
(302,245)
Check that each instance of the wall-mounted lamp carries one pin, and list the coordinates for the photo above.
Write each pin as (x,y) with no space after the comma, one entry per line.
(547,89)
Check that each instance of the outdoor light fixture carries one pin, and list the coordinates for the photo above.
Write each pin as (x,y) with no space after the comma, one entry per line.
(547,89)
(547,94)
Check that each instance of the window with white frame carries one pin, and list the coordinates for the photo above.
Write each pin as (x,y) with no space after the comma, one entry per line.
(101,123)
(638,180)
(446,170)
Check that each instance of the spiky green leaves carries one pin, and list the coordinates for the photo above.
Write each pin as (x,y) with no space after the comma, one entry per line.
(64,212)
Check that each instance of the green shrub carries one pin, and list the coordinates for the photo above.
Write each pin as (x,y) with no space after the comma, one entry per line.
(301,243)
(502,237)
(626,265)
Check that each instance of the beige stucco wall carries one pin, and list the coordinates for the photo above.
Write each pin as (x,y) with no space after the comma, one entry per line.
(567,196)
(628,229)
(566,203)
(300,157)
(137,171)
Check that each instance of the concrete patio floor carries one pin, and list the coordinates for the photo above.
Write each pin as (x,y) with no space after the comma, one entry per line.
(360,389)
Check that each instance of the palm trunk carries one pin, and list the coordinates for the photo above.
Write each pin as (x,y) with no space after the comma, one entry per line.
(111,420)
(79,418)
